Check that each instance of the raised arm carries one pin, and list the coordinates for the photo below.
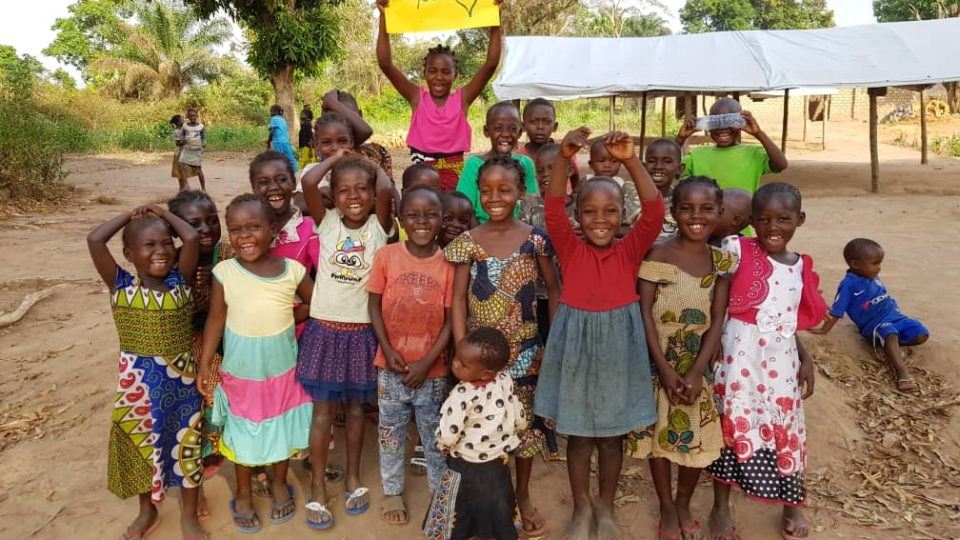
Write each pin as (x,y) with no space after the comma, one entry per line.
(620,146)
(472,90)
(383,205)
(572,142)
(405,86)
(310,181)
(778,161)
(361,129)
(97,240)
(190,250)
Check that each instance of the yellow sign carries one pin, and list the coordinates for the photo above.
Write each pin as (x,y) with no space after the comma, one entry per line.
(433,15)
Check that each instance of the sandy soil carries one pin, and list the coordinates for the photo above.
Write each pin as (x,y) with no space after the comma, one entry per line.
(59,370)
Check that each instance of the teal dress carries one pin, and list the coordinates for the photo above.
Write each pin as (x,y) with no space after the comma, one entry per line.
(280,139)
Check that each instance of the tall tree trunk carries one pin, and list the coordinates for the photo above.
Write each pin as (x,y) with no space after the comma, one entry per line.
(953,96)
(282,81)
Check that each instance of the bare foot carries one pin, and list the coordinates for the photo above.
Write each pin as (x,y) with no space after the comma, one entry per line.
(607,526)
(144,522)
(580,525)
(722,526)
(191,529)
(795,524)
(533,524)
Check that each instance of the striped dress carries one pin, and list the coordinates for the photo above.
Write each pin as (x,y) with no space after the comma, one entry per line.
(264,412)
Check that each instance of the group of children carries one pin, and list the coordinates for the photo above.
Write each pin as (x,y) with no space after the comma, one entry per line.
(633,314)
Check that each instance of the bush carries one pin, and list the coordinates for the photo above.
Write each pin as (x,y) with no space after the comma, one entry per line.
(31,152)
(948,146)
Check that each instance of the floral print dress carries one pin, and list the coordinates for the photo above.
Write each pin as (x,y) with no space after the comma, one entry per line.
(688,435)
(757,389)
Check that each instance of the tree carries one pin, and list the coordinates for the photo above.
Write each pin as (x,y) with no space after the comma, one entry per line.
(63,79)
(617,18)
(906,10)
(91,28)
(18,74)
(539,17)
(164,51)
(286,36)
(721,15)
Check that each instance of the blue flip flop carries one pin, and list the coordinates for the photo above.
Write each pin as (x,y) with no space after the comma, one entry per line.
(290,505)
(249,516)
(352,509)
(314,506)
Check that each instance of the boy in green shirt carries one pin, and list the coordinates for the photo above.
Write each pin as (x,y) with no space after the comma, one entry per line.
(731,164)
(503,129)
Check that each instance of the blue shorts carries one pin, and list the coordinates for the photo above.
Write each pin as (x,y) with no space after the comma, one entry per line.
(906,328)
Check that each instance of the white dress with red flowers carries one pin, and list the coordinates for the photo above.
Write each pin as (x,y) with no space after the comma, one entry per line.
(758,396)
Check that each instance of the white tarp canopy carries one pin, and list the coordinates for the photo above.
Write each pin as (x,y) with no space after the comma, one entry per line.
(890,54)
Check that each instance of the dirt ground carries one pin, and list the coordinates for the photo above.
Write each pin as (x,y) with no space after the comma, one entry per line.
(882,464)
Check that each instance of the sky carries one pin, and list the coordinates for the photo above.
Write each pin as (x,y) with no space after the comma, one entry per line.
(26,25)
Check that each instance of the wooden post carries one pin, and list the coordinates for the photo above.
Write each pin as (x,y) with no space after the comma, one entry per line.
(613,121)
(786,117)
(643,122)
(663,117)
(874,156)
(703,103)
(806,107)
(823,126)
(923,128)
(853,104)
(736,97)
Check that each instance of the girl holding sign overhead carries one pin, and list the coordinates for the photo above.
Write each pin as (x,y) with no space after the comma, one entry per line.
(439,131)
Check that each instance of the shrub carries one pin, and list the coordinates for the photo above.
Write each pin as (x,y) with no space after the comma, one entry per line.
(31,152)
(948,146)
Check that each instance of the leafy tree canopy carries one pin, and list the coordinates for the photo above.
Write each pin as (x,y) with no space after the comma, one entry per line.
(906,10)
(720,15)
(89,30)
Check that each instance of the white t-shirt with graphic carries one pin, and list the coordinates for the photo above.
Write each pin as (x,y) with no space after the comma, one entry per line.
(346,256)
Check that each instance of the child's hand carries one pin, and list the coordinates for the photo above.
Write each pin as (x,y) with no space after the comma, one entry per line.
(752,126)
(416,374)
(147,210)
(805,377)
(673,385)
(329,98)
(687,128)
(573,141)
(825,327)
(203,382)
(692,387)
(382,4)
(619,145)
(395,362)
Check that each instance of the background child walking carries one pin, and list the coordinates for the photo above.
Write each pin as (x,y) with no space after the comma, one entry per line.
(153,311)
(338,346)
(439,130)
(191,153)
(765,373)
(178,141)
(411,288)
(498,266)
(595,380)
(278,137)
(479,427)
(683,297)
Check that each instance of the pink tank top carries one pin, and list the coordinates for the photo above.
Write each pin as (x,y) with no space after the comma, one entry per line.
(439,130)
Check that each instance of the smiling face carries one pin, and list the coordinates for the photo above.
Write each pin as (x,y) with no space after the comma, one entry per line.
(151,249)
(503,129)
(539,122)
(868,263)
(776,221)
(543,164)
(250,230)
(272,182)
(664,165)
(600,211)
(421,217)
(725,137)
(352,192)
(330,137)
(602,163)
(468,365)
(439,70)
(457,217)
(202,215)
(696,212)
(499,192)
(192,116)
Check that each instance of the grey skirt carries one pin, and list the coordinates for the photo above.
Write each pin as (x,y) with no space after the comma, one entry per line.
(595,376)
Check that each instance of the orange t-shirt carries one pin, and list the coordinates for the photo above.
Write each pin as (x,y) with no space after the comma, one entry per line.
(415,294)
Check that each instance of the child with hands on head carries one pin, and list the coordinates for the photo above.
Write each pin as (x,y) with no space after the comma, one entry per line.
(765,373)
(439,130)
(595,378)
(683,297)
(876,314)
(411,289)
(153,311)
(338,346)
(480,425)
(262,411)
(498,266)
(502,127)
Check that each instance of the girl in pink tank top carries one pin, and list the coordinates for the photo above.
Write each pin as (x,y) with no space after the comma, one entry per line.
(439,131)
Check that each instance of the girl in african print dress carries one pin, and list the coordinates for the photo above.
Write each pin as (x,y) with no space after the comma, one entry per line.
(683,298)
(495,284)
(155,437)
